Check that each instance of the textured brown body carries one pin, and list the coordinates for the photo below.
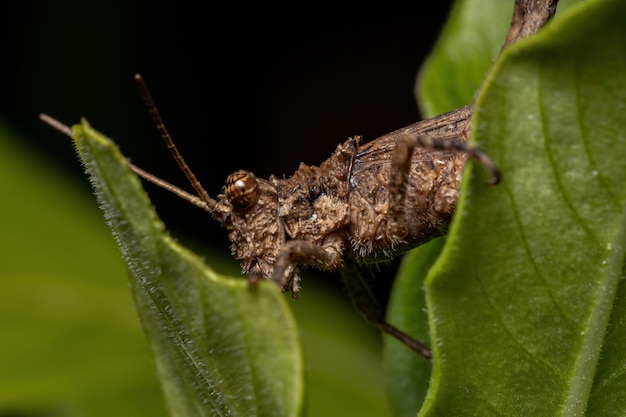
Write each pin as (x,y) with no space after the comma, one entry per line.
(369,202)
(377,228)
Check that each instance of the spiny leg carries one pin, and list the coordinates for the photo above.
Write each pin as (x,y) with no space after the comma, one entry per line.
(455,144)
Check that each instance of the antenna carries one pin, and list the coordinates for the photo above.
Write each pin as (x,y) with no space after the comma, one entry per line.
(204,200)
(193,199)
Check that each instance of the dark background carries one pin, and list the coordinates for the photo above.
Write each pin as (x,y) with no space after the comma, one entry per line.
(239,86)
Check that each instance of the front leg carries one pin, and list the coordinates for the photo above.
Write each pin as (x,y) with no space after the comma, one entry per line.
(326,256)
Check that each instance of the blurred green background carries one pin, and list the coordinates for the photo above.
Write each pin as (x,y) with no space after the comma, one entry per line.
(238,87)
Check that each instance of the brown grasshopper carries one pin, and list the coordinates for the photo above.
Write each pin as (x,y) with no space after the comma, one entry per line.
(365,204)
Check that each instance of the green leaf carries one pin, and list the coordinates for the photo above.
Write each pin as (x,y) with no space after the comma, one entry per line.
(469,43)
(71,342)
(526,301)
(221,348)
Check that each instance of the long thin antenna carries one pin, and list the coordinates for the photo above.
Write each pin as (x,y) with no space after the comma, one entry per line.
(193,199)
(154,112)
(51,121)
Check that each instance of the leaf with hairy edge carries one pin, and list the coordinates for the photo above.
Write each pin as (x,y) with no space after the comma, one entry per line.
(221,348)
(526,302)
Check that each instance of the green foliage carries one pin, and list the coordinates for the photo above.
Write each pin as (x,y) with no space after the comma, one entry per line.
(71,343)
(526,302)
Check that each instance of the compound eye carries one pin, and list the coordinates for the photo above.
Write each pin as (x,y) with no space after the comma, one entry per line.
(242,189)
